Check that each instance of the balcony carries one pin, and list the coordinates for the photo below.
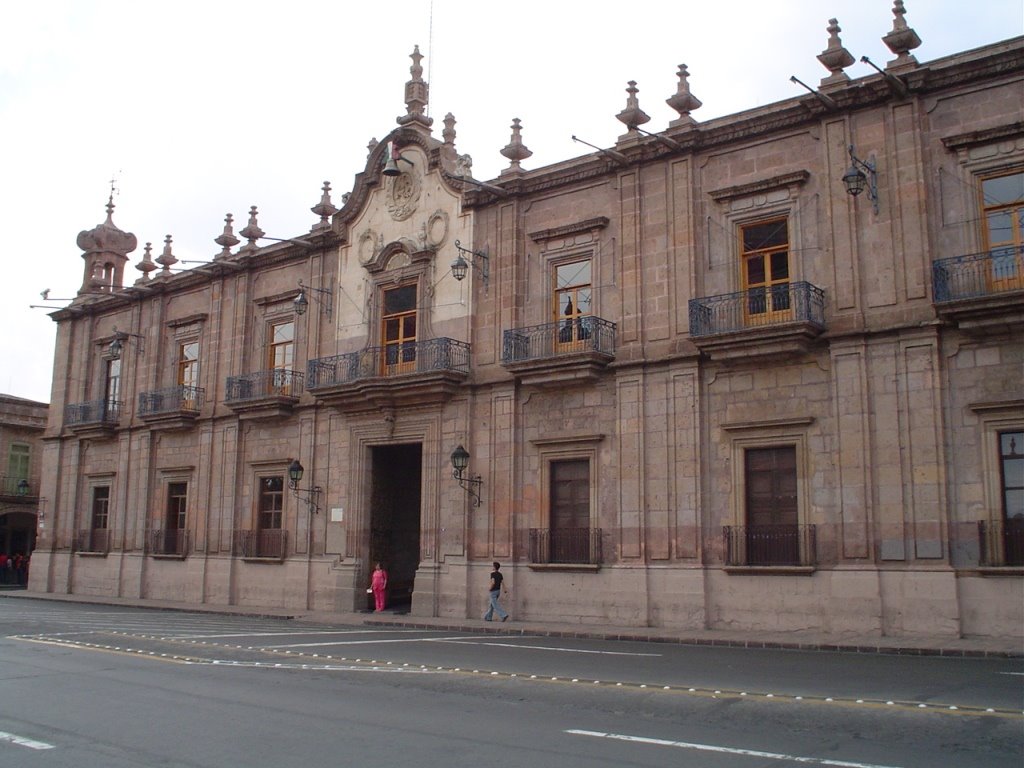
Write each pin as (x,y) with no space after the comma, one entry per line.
(566,548)
(264,544)
(96,418)
(171,408)
(775,321)
(784,547)
(982,292)
(417,373)
(264,394)
(171,543)
(559,353)
(14,490)
(92,541)
(1002,543)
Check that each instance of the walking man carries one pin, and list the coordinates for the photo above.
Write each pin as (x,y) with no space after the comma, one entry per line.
(496,588)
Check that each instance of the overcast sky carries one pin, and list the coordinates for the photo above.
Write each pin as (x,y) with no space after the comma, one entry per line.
(203,108)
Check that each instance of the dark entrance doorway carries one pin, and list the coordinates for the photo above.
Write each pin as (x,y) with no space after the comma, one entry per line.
(395,519)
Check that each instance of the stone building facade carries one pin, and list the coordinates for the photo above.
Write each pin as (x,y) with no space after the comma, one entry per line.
(692,379)
(22,423)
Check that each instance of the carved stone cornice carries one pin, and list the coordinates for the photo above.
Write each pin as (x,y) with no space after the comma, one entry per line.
(986,136)
(796,178)
(588,225)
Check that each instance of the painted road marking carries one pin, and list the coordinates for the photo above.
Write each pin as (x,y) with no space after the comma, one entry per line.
(727,750)
(289,634)
(21,741)
(461,641)
(362,642)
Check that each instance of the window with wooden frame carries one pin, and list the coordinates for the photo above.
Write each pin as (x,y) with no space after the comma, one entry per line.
(398,329)
(765,268)
(281,355)
(188,372)
(175,518)
(100,507)
(569,529)
(1002,206)
(572,302)
(112,388)
(567,534)
(270,505)
(772,516)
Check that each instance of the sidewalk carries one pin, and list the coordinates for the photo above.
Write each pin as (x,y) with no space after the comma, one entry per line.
(806,640)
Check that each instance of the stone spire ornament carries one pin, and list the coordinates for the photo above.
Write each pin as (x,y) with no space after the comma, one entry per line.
(226,240)
(901,40)
(683,101)
(146,265)
(515,150)
(448,134)
(166,258)
(632,115)
(324,209)
(835,57)
(252,232)
(416,95)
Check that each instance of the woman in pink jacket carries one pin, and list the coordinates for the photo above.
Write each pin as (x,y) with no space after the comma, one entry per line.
(379,586)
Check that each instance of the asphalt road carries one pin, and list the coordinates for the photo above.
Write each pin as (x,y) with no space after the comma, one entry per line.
(89,686)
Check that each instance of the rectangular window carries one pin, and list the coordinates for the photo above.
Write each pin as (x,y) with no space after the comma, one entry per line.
(271,503)
(100,507)
(398,330)
(17,467)
(573,301)
(177,501)
(188,364)
(765,266)
(281,356)
(1011,478)
(569,530)
(772,529)
(1003,214)
(112,389)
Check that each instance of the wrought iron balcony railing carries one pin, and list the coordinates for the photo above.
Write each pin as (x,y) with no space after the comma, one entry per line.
(567,545)
(793,545)
(978,274)
(264,385)
(107,412)
(270,543)
(1002,542)
(417,357)
(565,337)
(179,399)
(93,540)
(798,302)
(168,541)
(17,487)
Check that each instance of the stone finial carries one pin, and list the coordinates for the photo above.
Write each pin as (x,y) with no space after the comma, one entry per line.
(835,57)
(146,265)
(372,145)
(417,93)
(632,115)
(226,240)
(901,40)
(448,134)
(324,209)
(166,259)
(252,231)
(515,150)
(683,101)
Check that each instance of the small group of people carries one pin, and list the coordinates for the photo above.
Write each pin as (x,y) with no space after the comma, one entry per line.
(14,569)
(379,589)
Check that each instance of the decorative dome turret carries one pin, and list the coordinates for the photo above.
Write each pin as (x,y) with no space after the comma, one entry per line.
(105,250)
